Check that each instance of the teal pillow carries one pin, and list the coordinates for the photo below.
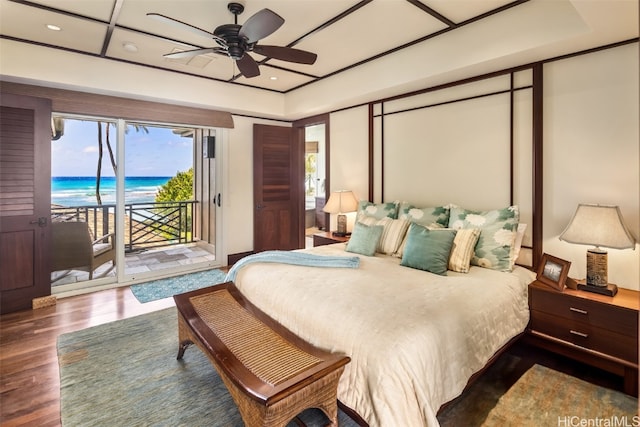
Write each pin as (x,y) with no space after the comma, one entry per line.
(364,239)
(428,249)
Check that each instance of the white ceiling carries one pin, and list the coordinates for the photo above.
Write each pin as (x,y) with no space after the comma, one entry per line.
(391,44)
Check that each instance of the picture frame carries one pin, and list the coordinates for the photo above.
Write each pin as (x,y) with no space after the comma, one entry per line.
(553,271)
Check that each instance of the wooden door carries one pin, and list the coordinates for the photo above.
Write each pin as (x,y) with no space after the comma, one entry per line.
(25,200)
(278,186)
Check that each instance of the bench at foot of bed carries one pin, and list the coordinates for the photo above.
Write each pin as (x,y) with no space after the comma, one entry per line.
(272,374)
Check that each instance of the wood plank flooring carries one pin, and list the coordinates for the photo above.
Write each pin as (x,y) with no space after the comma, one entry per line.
(30,381)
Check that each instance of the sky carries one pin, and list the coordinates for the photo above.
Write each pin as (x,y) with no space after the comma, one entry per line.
(157,153)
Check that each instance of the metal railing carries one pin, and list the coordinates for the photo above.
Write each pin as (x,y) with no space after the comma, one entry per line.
(147,225)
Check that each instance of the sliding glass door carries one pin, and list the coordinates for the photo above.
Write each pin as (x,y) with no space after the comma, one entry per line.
(140,184)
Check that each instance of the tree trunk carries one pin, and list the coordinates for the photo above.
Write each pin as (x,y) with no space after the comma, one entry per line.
(99,170)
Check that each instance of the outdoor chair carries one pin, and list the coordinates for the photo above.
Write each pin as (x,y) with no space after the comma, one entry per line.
(74,249)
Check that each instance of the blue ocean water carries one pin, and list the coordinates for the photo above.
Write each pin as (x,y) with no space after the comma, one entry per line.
(81,190)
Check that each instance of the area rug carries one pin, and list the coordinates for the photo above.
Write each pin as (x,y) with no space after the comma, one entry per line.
(164,288)
(544,397)
(125,373)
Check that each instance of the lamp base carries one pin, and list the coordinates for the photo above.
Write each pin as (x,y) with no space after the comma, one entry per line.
(597,267)
(608,290)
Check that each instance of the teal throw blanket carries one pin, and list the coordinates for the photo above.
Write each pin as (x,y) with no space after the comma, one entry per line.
(296,258)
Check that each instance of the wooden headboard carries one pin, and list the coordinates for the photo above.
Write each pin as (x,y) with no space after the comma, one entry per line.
(474,143)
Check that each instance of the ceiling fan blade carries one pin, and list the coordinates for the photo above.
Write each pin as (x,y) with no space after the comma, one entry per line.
(194,52)
(260,25)
(286,54)
(248,66)
(183,25)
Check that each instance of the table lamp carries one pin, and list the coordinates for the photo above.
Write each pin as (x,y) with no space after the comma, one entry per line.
(341,202)
(598,225)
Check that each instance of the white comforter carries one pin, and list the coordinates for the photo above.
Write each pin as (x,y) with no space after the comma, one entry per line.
(414,338)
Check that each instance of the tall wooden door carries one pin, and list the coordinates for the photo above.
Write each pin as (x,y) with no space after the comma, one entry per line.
(278,185)
(25,200)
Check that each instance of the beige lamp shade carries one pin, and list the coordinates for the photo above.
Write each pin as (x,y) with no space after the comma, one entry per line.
(598,225)
(341,202)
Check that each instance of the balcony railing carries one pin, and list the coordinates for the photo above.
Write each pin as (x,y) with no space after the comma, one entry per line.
(147,225)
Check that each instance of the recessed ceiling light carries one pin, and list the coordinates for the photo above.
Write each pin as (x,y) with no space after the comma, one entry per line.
(53,27)
(273,78)
(129,47)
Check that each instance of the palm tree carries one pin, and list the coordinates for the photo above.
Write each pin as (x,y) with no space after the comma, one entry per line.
(136,126)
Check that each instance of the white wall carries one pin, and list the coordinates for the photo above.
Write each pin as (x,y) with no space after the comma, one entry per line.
(348,149)
(591,151)
(238,192)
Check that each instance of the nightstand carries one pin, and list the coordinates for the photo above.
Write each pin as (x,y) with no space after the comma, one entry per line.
(594,329)
(326,238)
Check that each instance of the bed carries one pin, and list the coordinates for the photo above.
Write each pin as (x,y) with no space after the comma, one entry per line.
(415,338)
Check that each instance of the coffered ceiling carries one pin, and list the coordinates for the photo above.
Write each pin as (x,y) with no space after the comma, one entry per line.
(343,33)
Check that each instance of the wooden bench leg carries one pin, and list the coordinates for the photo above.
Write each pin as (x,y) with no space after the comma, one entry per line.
(182,347)
(184,337)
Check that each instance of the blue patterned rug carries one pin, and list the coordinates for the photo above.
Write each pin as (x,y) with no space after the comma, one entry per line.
(165,288)
(125,373)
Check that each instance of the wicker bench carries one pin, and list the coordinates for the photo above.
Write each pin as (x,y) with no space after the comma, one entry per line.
(271,374)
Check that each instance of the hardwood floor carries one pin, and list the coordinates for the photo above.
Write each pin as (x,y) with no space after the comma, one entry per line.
(30,382)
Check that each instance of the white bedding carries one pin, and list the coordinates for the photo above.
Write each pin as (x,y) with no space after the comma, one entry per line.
(414,338)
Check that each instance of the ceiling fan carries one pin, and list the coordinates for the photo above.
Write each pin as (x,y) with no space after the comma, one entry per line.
(236,40)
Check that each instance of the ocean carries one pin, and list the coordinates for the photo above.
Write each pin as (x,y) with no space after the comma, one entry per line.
(81,190)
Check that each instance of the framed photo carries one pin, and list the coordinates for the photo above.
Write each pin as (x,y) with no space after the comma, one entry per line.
(553,271)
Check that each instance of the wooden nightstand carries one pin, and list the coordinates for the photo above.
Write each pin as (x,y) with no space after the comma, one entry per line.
(326,238)
(595,329)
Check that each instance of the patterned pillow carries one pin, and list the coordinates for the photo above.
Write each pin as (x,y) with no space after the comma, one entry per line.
(463,249)
(378,210)
(392,235)
(428,249)
(424,216)
(498,232)
(364,239)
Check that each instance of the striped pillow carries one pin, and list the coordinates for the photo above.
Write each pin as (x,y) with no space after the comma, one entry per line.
(392,235)
(463,249)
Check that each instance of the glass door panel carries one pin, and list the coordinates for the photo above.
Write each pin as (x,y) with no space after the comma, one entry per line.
(161,229)
(83,192)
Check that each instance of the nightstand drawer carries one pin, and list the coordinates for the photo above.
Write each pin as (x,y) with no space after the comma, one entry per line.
(586,335)
(606,316)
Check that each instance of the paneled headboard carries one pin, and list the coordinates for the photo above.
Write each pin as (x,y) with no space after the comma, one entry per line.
(475,143)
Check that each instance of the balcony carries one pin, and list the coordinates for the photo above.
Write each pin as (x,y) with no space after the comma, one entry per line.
(157,235)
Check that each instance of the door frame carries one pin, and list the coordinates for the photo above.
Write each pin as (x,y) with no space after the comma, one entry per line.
(300,125)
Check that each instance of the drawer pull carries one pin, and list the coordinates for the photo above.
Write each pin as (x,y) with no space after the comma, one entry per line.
(577,310)
(580,334)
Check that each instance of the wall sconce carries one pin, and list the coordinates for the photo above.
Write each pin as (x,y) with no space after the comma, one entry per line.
(341,202)
(598,225)
(209,147)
